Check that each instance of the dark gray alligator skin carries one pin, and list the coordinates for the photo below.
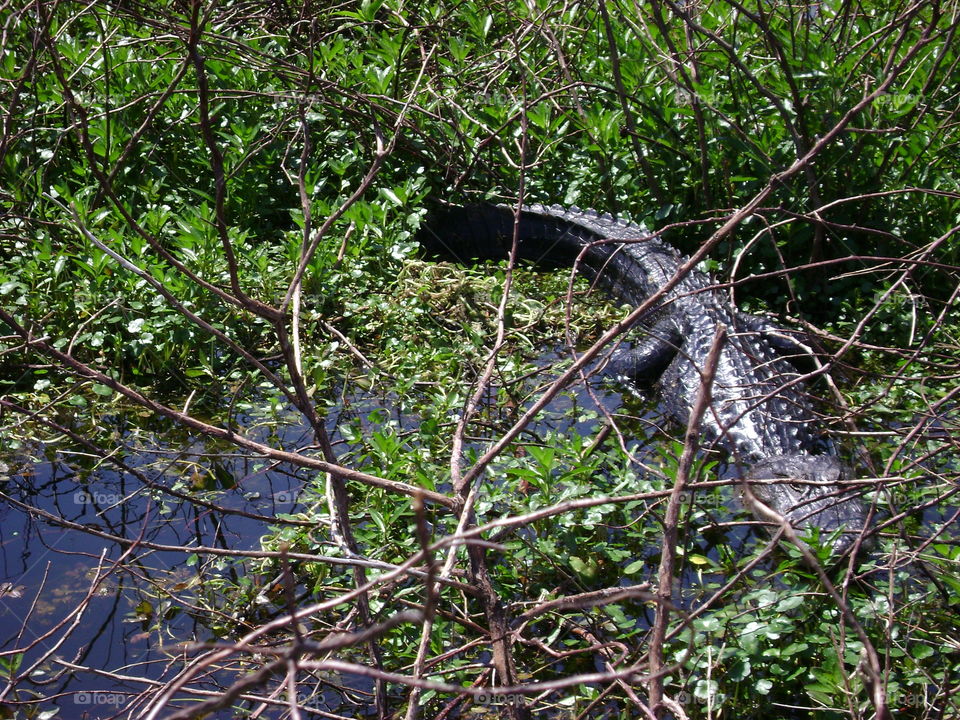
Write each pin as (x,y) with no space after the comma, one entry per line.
(759,414)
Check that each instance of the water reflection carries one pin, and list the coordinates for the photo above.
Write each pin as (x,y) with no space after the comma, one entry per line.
(90,546)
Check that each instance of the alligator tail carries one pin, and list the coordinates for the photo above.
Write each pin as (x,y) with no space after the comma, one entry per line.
(549,238)
(486,232)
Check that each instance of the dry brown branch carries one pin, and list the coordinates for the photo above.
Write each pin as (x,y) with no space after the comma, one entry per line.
(665,575)
(333,613)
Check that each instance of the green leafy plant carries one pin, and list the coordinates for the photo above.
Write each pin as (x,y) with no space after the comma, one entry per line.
(207,222)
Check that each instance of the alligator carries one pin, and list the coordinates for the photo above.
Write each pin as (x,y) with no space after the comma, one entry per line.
(759,413)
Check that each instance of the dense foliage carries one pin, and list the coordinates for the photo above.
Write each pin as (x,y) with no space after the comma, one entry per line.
(212,207)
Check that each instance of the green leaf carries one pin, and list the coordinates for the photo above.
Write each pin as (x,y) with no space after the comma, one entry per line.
(790,603)
(392,196)
(740,670)
(585,568)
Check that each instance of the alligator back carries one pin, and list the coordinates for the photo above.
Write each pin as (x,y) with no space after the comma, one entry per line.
(759,411)
(758,408)
(621,258)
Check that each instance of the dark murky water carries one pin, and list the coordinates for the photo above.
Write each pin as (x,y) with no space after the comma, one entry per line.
(63,600)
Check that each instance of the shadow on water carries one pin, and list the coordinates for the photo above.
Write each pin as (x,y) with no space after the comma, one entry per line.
(86,547)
